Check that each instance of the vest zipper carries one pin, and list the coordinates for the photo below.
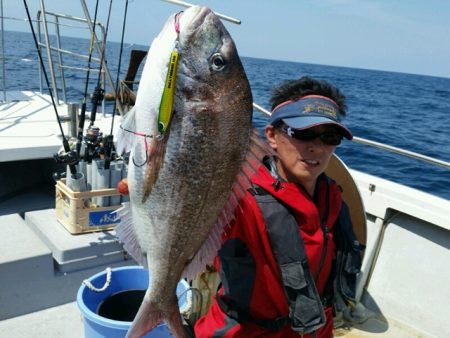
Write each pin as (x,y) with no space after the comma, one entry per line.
(323,225)
(323,254)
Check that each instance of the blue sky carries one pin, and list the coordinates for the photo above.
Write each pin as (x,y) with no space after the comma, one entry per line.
(410,36)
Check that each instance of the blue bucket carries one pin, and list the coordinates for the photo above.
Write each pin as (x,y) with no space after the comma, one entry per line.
(122,279)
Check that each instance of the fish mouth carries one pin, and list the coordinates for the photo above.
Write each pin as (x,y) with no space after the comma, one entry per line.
(199,15)
(194,17)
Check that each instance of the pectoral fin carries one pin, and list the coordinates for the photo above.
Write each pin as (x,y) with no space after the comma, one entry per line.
(155,152)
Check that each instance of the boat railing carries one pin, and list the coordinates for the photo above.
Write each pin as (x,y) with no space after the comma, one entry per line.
(3,53)
(43,27)
(42,21)
(59,58)
(126,95)
(383,146)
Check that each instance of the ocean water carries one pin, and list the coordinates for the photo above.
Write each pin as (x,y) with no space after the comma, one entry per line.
(403,110)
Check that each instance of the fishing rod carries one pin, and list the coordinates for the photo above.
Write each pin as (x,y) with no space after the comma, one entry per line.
(187,5)
(98,94)
(92,133)
(83,105)
(109,138)
(70,157)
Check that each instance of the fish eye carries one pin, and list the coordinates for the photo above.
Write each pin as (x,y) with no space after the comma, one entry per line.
(217,62)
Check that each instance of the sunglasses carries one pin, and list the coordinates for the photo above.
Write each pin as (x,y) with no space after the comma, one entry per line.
(330,138)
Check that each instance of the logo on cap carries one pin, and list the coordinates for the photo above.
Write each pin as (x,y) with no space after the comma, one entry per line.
(322,108)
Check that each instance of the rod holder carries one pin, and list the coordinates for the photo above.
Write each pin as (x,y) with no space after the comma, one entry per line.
(72,111)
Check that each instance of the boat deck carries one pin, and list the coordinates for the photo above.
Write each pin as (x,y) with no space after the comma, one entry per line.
(66,321)
(28,126)
(56,322)
(43,267)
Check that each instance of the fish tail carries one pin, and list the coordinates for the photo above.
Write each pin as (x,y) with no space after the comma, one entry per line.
(174,323)
(147,318)
(150,315)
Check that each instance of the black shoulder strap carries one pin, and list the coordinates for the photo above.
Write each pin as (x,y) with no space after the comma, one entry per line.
(305,307)
(348,259)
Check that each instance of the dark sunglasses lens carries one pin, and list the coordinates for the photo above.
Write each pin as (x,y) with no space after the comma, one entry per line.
(305,135)
(331,139)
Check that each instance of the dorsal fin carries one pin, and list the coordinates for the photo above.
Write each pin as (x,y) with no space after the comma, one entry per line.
(253,160)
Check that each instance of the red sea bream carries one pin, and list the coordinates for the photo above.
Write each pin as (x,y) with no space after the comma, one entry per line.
(180,180)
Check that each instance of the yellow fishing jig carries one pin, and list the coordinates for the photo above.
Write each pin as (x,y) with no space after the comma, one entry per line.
(166,106)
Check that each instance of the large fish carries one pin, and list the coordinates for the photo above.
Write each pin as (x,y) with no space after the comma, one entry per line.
(179,180)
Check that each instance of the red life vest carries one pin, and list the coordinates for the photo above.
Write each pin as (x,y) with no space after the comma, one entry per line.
(250,275)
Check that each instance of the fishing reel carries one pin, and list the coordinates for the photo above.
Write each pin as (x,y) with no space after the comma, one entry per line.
(93,140)
(98,95)
(65,158)
(93,137)
(98,145)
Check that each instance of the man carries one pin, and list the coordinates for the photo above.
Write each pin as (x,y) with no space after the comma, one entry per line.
(292,233)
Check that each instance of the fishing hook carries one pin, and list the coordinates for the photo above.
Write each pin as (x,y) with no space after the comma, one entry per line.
(145,136)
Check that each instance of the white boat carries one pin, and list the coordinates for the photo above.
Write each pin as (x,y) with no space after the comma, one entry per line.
(403,283)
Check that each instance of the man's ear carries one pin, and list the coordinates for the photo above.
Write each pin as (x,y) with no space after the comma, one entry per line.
(270,135)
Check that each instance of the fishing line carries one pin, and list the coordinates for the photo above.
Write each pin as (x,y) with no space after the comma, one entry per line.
(83,105)
(135,132)
(71,156)
(145,136)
